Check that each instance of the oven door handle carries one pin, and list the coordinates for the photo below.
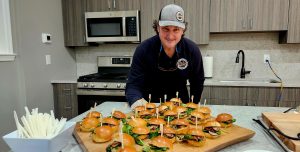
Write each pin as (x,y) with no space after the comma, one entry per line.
(101,92)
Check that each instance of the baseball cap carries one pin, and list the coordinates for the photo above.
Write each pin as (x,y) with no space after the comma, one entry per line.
(172,15)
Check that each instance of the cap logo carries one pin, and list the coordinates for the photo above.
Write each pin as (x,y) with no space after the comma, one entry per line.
(182,64)
(179,16)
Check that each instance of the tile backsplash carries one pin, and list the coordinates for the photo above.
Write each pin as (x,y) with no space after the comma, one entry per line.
(285,58)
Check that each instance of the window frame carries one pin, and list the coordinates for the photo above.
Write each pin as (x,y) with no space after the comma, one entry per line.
(6,53)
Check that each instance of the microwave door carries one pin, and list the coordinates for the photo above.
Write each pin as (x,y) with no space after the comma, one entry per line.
(104,29)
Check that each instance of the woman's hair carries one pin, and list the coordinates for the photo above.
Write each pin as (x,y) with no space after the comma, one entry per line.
(155,25)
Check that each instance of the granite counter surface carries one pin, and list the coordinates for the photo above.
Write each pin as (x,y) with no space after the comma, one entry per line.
(243,114)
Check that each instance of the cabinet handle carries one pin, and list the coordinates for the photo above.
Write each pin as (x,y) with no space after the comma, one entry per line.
(251,23)
(66,89)
(108,2)
(114,4)
(243,24)
(68,108)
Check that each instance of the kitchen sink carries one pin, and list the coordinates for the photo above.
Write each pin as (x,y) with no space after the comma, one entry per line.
(250,81)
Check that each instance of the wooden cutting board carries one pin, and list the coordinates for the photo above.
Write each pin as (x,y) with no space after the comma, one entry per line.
(230,136)
(288,123)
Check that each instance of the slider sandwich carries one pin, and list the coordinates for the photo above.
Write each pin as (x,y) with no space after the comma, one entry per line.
(151,107)
(181,127)
(89,124)
(94,114)
(195,137)
(153,125)
(182,111)
(212,129)
(118,115)
(161,144)
(196,115)
(113,123)
(139,134)
(102,134)
(117,145)
(176,101)
(225,120)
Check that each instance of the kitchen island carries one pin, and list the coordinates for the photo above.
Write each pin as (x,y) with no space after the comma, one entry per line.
(243,115)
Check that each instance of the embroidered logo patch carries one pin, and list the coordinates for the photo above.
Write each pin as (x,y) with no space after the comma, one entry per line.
(179,16)
(182,64)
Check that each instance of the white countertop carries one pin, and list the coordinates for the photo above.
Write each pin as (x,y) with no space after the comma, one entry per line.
(243,114)
(63,81)
(250,83)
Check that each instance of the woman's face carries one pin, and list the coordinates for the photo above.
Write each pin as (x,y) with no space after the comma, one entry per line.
(169,36)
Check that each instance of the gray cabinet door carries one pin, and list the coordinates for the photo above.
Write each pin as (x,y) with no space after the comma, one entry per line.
(228,15)
(73,22)
(248,15)
(293,33)
(150,10)
(65,100)
(197,16)
(268,15)
(112,5)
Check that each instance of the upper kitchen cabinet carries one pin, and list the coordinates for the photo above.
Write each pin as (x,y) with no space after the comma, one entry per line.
(248,15)
(150,10)
(112,5)
(293,33)
(197,16)
(73,22)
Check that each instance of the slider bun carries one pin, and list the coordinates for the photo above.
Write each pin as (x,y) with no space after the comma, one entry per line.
(102,134)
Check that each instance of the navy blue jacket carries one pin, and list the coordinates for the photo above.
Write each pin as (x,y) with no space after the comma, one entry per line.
(145,76)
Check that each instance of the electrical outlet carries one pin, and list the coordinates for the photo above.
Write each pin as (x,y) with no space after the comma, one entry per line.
(267,57)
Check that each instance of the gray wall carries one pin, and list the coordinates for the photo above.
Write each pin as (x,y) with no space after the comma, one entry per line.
(27,80)
(285,58)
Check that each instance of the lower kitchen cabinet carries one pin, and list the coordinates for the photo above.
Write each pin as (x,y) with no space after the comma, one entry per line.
(65,100)
(251,96)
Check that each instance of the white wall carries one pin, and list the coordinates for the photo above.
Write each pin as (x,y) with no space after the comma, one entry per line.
(27,80)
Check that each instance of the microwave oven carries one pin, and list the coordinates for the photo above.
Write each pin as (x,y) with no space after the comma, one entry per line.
(112,26)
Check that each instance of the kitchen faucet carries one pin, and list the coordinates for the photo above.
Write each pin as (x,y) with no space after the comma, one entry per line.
(243,71)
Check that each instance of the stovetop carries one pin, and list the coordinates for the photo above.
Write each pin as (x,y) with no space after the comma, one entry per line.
(103,77)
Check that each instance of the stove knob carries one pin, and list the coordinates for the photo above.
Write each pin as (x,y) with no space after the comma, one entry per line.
(92,85)
(85,85)
(105,85)
(118,85)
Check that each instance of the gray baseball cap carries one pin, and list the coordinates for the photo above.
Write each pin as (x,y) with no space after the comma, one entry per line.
(172,15)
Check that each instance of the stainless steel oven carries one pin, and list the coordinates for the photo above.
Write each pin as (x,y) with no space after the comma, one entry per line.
(108,84)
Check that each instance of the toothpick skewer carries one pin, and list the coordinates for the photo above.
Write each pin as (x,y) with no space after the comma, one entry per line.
(121,135)
(149,98)
(100,120)
(165,98)
(199,104)
(113,111)
(90,114)
(159,101)
(178,115)
(192,98)
(161,126)
(196,122)
(135,113)
(168,120)
(204,102)
(156,113)
(177,93)
(95,105)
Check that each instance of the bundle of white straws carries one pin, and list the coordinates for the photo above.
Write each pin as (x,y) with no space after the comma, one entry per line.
(38,125)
